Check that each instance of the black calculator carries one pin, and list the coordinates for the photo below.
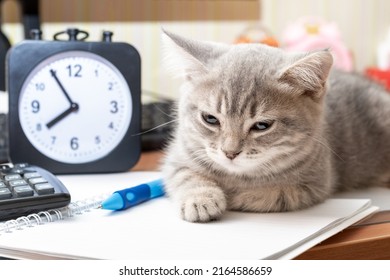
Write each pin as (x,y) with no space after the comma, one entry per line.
(27,189)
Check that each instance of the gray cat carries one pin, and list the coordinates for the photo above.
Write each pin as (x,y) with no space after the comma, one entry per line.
(259,129)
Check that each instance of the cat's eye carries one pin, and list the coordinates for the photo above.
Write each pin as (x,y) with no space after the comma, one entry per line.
(262,126)
(210,119)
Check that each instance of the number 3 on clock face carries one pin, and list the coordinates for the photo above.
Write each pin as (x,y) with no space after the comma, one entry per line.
(75,107)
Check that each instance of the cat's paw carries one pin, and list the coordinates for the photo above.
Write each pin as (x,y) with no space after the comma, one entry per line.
(203,204)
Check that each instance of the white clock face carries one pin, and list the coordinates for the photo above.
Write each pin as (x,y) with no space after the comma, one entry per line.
(75,107)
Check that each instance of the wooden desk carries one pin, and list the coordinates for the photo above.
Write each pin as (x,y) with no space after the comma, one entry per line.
(367,240)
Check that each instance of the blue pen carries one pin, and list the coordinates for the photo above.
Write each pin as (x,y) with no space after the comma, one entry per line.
(130,197)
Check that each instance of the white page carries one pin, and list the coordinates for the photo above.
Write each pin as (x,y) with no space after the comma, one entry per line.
(154,230)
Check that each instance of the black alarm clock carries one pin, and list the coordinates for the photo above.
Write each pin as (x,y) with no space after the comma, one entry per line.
(74,106)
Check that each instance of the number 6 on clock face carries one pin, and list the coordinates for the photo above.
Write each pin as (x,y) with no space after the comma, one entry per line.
(75,107)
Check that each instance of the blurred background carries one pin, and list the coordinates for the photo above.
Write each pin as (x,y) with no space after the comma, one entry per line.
(354,29)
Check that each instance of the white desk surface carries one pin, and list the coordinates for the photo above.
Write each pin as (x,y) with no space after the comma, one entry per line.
(379,196)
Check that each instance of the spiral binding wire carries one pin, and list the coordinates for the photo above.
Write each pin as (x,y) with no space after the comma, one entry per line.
(52,215)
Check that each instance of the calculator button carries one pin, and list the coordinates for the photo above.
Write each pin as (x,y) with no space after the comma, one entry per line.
(5,193)
(17,170)
(22,191)
(21,165)
(38,180)
(2,184)
(10,177)
(30,175)
(17,183)
(45,188)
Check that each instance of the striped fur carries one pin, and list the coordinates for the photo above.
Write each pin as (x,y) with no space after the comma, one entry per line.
(322,132)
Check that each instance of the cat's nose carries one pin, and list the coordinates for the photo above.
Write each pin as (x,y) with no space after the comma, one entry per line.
(231,155)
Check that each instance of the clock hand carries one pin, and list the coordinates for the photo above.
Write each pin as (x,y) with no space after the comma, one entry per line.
(53,74)
(73,108)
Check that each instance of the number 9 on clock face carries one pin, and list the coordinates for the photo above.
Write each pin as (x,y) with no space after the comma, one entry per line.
(75,107)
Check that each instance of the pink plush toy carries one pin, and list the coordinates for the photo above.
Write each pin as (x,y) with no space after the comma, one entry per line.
(312,33)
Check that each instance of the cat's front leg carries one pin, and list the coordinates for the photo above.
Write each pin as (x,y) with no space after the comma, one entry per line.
(199,199)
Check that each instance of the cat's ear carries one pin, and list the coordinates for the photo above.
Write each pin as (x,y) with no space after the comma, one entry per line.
(309,74)
(187,57)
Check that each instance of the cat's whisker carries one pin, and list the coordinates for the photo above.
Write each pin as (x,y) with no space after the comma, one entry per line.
(165,113)
(154,128)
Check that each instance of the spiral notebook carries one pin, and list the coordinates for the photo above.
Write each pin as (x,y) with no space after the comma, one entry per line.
(153,230)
